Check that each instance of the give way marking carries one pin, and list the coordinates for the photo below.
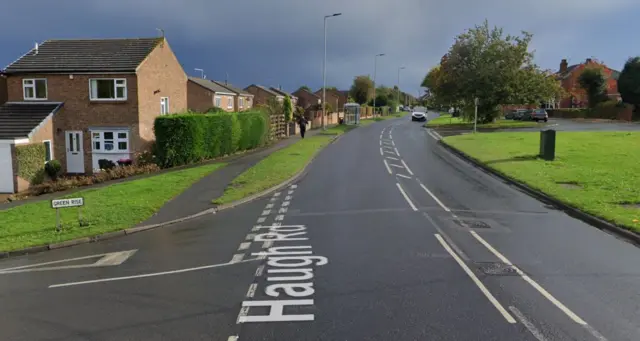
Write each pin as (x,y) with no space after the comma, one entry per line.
(103,259)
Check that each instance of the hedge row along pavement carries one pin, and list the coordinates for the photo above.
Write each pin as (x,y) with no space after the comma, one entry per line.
(31,160)
(190,138)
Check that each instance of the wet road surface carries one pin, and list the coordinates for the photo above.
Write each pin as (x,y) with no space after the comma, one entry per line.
(388,237)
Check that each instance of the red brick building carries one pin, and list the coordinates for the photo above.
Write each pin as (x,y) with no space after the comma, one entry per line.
(575,96)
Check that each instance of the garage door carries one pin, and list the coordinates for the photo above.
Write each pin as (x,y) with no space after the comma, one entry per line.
(6,169)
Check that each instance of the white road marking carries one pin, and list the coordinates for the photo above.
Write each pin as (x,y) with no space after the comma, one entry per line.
(595,333)
(381,153)
(267,244)
(244,246)
(393,143)
(250,236)
(381,142)
(237,257)
(432,135)
(294,186)
(288,197)
(252,290)
(406,197)
(283,210)
(528,279)
(290,192)
(437,135)
(407,167)
(386,164)
(269,206)
(280,217)
(390,152)
(392,158)
(266,212)
(403,176)
(388,147)
(397,152)
(276,194)
(244,311)
(259,270)
(435,198)
(397,166)
(534,331)
(261,220)
(285,203)
(105,259)
(477,282)
(233,338)
(113,279)
(273,199)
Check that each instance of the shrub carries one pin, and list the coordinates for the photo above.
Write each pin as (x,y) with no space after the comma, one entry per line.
(53,169)
(215,110)
(147,157)
(30,160)
(287,109)
(106,164)
(188,138)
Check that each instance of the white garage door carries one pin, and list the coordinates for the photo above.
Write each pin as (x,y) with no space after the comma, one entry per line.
(6,169)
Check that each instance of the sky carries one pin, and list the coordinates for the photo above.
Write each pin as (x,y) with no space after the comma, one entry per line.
(280,42)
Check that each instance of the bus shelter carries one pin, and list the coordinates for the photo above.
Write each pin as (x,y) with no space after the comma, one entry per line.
(352,113)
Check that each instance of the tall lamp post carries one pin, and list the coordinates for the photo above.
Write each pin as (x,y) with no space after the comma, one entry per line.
(398,97)
(375,70)
(324,70)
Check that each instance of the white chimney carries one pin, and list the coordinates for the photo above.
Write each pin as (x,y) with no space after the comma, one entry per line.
(36,48)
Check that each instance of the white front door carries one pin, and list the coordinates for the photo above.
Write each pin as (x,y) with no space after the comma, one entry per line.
(6,169)
(75,154)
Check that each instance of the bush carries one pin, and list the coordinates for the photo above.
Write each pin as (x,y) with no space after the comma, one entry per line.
(30,160)
(146,157)
(568,113)
(53,169)
(188,138)
(215,110)
(106,164)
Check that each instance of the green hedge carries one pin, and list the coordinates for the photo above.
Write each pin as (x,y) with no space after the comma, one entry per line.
(189,138)
(31,159)
(604,110)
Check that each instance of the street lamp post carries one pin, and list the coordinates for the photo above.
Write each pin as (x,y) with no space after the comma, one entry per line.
(398,98)
(324,71)
(201,72)
(375,70)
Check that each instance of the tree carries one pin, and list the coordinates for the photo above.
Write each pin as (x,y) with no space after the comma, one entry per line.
(287,109)
(331,88)
(629,84)
(593,81)
(304,87)
(483,63)
(361,89)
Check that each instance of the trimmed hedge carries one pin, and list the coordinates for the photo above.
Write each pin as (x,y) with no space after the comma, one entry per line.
(31,160)
(189,138)
(605,110)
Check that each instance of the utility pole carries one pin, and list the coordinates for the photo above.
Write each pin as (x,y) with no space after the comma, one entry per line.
(375,70)
(324,71)
(398,97)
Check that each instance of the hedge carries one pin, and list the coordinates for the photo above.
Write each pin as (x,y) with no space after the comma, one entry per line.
(189,138)
(31,159)
(606,110)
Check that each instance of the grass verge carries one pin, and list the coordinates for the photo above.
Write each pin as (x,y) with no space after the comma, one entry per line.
(368,121)
(446,121)
(107,209)
(276,168)
(596,172)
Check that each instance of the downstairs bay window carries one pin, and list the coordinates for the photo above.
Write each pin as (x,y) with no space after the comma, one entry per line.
(110,141)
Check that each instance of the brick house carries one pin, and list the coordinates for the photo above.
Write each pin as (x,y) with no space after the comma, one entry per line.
(87,100)
(243,99)
(307,99)
(261,94)
(336,98)
(203,94)
(576,97)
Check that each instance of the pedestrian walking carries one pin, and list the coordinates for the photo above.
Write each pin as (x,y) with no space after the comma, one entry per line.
(302,122)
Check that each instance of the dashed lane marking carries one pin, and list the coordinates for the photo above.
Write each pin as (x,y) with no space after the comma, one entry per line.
(269,206)
(285,204)
(244,246)
(266,212)
(381,153)
(237,257)
(276,194)
(434,197)
(397,166)
(406,197)
(386,164)
(288,197)
(403,176)
(261,220)
(280,217)
(259,270)
(407,167)
(283,210)
(396,150)
(250,236)
(392,158)
(252,290)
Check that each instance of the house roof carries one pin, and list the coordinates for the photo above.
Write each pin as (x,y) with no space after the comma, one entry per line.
(615,74)
(281,92)
(20,119)
(307,92)
(210,85)
(85,55)
(232,88)
(271,92)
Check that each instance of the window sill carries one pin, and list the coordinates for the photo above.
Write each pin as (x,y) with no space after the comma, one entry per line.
(111,152)
(36,99)
(111,101)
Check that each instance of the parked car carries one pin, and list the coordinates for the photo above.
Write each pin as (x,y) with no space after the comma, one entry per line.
(510,115)
(520,114)
(536,115)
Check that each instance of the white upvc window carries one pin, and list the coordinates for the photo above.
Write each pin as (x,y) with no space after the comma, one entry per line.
(229,102)
(34,89)
(110,141)
(241,102)
(48,150)
(164,105)
(218,102)
(105,89)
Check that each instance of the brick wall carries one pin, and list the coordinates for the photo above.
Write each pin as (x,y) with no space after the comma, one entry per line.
(260,97)
(572,86)
(198,98)
(3,90)
(159,75)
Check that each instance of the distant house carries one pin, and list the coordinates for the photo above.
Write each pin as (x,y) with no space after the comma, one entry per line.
(244,100)
(261,94)
(335,98)
(307,99)
(294,99)
(87,100)
(575,96)
(203,94)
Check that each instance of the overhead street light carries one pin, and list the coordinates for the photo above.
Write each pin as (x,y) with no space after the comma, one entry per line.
(375,70)
(324,70)
(398,98)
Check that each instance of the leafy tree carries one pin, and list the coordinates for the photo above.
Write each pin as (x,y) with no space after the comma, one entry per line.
(593,81)
(483,63)
(331,88)
(304,87)
(629,84)
(361,89)
(287,109)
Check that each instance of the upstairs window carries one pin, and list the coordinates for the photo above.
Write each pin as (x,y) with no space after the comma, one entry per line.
(108,89)
(34,89)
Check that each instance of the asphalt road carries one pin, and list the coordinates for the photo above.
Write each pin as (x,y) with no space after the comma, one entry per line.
(388,237)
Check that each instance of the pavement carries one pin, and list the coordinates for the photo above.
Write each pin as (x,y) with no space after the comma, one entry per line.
(387,237)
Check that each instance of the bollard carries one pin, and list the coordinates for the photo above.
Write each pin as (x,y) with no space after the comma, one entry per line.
(548,144)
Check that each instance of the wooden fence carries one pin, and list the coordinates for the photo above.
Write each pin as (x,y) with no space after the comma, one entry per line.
(278,127)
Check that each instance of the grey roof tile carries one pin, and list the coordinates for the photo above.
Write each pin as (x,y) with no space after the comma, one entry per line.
(233,88)
(18,119)
(213,86)
(85,55)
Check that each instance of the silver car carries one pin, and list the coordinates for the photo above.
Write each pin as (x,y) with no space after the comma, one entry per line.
(418,116)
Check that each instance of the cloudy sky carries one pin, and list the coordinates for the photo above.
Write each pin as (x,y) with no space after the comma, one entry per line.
(280,42)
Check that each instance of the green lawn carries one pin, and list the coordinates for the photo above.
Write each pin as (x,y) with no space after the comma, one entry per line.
(275,168)
(107,209)
(446,121)
(603,166)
